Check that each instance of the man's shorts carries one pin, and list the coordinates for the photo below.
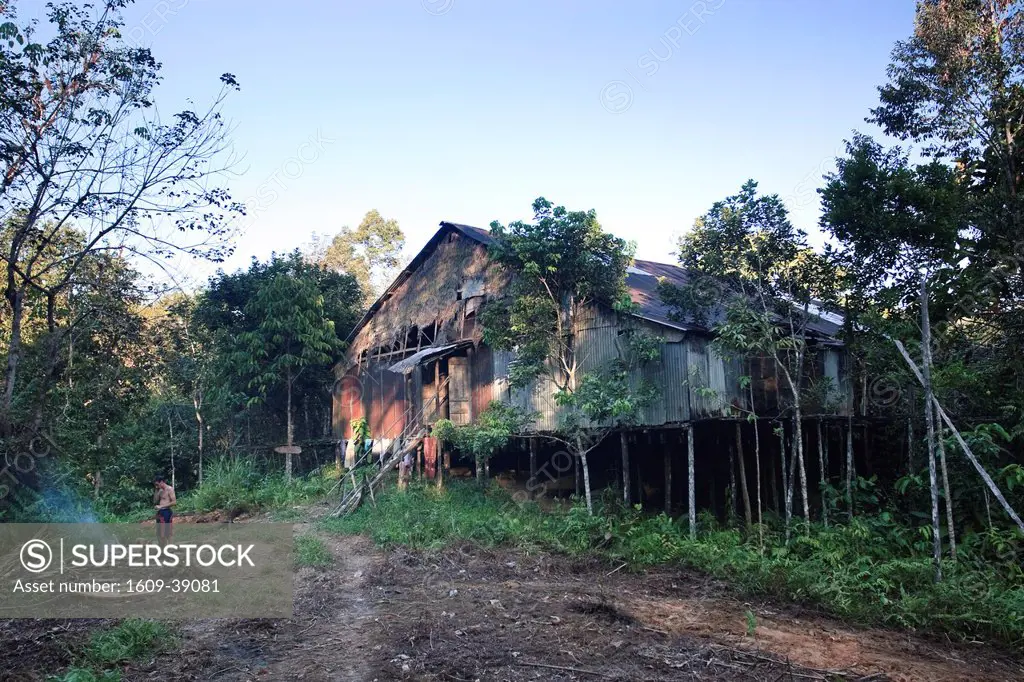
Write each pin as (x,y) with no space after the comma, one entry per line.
(163,515)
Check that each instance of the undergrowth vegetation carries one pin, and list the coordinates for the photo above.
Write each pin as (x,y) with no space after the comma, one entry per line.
(129,640)
(230,485)
(237,486)
(871,570)
(311,551)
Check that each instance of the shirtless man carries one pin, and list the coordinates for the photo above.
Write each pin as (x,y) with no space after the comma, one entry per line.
(164,499)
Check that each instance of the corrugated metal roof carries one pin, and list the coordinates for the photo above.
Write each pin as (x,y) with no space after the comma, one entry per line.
(643,278)
(407,365)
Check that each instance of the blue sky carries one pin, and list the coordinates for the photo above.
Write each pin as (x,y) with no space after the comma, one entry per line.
(466,110)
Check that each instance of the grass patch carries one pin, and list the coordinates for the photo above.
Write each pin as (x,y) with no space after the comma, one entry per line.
(871,571)
(312,551)
(285,515)
(86,675)
(129,640)
(237,486)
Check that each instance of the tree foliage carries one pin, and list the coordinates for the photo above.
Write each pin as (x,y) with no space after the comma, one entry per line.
(370,253)
(563,262)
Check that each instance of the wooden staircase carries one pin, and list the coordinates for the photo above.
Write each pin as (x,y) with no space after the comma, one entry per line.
(352,495)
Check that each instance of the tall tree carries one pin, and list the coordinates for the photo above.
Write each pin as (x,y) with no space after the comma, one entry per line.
(769,286)
(957,85)
(224,313)
(898,226)
(370,253)
(293,333)
(81,149)
(563,264)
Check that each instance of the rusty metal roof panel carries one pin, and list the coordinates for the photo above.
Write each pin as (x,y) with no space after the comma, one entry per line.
(407,365)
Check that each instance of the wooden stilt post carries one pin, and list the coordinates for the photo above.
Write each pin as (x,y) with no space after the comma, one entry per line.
(439,467)
(627,496)
(733,497)
(823,474)
(747,514)
(691,502)
(849,466)
(532,484)
(668,478)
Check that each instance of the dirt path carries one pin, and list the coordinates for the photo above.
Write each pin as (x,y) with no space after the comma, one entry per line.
(470,614)
(329,638)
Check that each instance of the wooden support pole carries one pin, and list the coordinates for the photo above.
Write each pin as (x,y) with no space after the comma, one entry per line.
(691,502)
(533,467)
(849,467)
(963,445)
(627,497)
(823,471)
(747,513)
(668,479)
(439,466)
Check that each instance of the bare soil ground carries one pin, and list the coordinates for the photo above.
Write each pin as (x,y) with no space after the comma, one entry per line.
(471,614)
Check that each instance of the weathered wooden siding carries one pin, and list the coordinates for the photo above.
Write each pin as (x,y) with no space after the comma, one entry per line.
(460,393)
(384,401)
(348,403)
(482,373)
(537,398)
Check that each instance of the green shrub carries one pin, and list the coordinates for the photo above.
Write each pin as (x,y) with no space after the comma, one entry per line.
(311,551)
(236,486)
(872,571)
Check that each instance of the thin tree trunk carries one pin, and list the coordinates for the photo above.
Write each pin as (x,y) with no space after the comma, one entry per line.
(823,468)
(773,476)
(691,493)
(757,463)
(791,478)
(16,299)
(926,352)
(988,508)
(787,478)
(798,440)
(743,474)
(945,489)
(197,405)
(291,432)
(963,444)
(170,429)
(586,478)
(624,447)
